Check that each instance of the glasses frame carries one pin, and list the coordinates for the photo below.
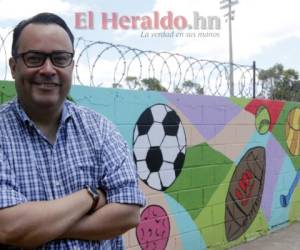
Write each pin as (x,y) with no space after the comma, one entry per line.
(46,55)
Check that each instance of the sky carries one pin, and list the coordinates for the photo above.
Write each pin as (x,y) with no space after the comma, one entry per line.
(265,31)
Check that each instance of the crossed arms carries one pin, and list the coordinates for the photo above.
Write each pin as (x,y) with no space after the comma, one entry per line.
(32,224)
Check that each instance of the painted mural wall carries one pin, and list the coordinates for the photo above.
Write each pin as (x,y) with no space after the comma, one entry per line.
(216,171)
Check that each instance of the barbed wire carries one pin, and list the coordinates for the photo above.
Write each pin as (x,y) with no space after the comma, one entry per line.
(4,55)
(103,64)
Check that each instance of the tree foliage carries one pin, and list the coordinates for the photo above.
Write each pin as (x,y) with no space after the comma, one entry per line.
(190,87)
(187,87)
(153,84)
(132,82)
(283,84)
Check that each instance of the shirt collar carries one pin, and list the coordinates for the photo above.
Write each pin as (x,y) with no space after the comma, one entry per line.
(24,117)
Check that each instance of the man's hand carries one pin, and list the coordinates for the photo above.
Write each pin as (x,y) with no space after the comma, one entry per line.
(106,222)
(35,223)
(109,221)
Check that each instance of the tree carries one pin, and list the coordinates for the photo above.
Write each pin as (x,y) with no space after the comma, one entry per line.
(190,87)
(117,85)
(153,84)
(132,82)
(283,83)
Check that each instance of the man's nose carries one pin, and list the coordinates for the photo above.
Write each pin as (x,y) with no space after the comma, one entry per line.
(48,68)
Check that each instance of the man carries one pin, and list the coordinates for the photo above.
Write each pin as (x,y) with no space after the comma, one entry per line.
(67,180)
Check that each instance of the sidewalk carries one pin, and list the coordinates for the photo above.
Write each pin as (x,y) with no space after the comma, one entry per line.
(283,239)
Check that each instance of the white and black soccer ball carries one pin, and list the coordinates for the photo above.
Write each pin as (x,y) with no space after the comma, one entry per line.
(159,146)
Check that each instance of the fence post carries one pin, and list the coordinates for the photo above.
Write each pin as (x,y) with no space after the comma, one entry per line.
(254,79)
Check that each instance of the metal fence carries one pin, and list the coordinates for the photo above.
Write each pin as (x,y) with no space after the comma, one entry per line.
(103,64)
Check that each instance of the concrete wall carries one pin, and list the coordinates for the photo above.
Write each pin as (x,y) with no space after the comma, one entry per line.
(216,171)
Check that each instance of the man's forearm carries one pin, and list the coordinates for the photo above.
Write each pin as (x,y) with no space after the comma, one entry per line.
(34,223)
(107,222)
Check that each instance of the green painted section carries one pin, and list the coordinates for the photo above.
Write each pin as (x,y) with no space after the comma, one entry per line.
(258,228)
(279,131)
(7,91)
(262,120)
(213,229)
(294,214)
(211,220)
(203,171)
(241,102)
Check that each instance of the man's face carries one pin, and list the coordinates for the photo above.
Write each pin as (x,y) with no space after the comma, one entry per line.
(45,86)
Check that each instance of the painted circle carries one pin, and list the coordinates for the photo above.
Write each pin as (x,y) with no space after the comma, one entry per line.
(262,120)
(159,146)
(292,131)
(153,232)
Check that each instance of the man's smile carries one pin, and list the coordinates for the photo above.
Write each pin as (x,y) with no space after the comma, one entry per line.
(46,85)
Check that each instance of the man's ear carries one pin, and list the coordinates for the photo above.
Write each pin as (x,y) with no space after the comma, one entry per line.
(12,65)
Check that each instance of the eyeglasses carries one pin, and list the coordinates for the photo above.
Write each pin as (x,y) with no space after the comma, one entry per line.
(34,59)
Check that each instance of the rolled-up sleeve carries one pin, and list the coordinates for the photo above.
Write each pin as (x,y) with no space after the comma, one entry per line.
(121,180)
(9,192)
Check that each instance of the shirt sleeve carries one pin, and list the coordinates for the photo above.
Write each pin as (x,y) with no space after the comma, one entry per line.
(120,180)
(9,193)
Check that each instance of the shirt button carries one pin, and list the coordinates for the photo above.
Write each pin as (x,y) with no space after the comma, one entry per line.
(56,183)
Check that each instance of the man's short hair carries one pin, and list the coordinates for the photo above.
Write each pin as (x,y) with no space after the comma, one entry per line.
(42,18)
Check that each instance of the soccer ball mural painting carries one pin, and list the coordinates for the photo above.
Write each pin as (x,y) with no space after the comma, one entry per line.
(159,145)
